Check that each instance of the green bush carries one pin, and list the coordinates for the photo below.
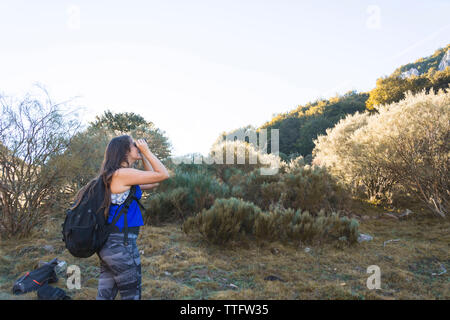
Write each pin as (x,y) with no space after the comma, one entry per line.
(300,186)
(236,219)
(405,144)
(166,206)
(182,195)
(228,219)
(287,225)
(262,190)
(312,188)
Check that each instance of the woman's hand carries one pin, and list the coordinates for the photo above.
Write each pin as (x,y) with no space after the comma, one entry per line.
(142,145)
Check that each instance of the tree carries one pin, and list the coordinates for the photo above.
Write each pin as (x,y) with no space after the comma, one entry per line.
(34,133)
(157,142)
(353,162)
(393,88)
(406,143)
(87,148)
(136,126)
(387,90)
(123,122)
(86,151)
(299,127)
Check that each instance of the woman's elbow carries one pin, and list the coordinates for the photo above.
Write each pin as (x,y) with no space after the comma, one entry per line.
(163,176)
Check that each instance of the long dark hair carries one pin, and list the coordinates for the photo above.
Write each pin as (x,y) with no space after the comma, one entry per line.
(115,154)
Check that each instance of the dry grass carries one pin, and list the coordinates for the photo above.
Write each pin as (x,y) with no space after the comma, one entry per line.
(175,266)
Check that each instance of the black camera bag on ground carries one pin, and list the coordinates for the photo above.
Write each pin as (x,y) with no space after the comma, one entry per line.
(47,292)
(37,278)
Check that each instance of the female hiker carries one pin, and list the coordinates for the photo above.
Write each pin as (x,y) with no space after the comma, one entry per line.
(120,265)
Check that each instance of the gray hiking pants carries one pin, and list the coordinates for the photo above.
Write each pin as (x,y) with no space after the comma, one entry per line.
(120,269)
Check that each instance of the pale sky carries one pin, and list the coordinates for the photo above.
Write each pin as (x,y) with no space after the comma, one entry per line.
(197,68)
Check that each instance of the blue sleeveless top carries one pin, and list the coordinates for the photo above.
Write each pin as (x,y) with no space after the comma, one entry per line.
(134,215)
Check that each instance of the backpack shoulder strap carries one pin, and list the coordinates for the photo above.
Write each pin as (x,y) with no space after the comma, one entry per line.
(139,203)
(137,200)
(125,206)
(131,196)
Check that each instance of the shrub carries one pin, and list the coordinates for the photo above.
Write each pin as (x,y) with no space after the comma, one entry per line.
(312,188)
(288,225)
(182,195)
(228,219)
(167,206)
(236,219)
(405,143)
(34,133)
(262,190)
(414,145)
(300,186)
(353,163)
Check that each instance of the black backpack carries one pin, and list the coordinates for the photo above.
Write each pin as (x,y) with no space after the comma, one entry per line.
(85,228)
(48,292)
(37,278)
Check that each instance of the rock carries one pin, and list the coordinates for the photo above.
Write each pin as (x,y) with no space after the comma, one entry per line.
(61,267)
(273,278)
(389,215)
(409,73)
(442,271)
(445,62)
(364,237)
(364,218)
(275,251)
(386,242)
(307,249)
(48,248)
(405,214)
(167,273)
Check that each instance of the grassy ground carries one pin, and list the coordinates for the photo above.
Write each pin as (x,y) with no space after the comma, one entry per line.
(175,266)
